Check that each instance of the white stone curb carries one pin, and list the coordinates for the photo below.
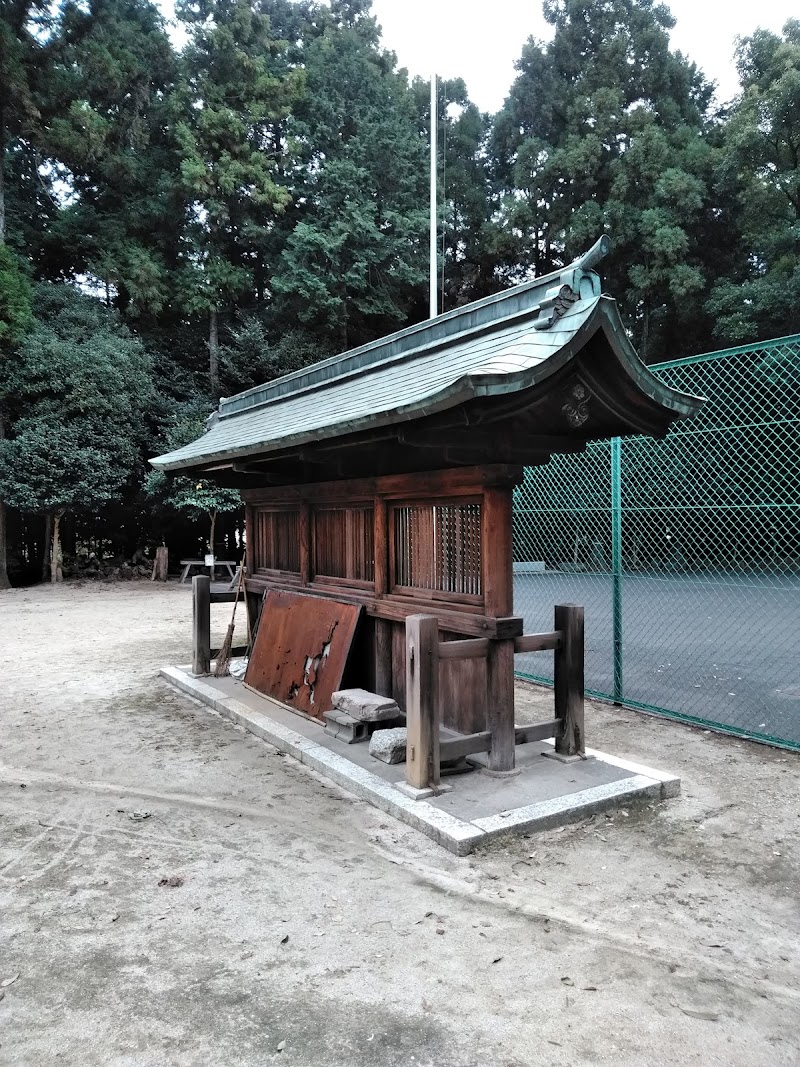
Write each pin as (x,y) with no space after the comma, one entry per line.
(454,834)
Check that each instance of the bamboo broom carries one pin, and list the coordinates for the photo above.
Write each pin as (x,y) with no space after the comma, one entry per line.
(223,664)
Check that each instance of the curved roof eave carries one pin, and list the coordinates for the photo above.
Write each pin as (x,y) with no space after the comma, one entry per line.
(603,314)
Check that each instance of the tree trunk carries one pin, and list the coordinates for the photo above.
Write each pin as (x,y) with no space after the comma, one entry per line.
(5,583)
(48,538)
(643,355)
(2,174)
(213,355)
(4,580)
(55,564)
(345,324)
(160,564)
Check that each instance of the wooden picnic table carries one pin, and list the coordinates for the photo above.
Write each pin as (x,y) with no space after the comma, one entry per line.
(187,565)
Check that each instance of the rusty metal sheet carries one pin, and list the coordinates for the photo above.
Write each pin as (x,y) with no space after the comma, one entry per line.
(301,649)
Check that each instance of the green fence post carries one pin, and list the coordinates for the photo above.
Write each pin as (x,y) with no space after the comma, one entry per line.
(616,562)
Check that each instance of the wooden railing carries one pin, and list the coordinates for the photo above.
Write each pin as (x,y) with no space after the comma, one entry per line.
(203,596)
(426,748)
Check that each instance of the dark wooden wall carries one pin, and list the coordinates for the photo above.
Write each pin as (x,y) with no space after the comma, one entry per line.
(435,543)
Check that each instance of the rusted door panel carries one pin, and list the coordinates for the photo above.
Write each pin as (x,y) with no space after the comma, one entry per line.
(301,649)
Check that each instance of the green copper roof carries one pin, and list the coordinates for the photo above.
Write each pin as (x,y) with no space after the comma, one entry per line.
(495,346)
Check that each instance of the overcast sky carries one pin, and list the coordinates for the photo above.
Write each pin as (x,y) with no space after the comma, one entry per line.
(479,40)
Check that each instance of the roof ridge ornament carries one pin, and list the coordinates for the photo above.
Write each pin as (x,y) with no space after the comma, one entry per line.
(577,282)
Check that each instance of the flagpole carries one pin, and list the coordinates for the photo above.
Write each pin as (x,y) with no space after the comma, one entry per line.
(434,272)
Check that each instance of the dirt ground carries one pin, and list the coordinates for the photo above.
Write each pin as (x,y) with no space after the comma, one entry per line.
(174,892)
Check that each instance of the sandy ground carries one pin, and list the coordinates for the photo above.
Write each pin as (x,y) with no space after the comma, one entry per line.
(308,929)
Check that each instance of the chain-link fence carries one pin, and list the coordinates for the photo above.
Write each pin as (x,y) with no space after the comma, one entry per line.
(684,551)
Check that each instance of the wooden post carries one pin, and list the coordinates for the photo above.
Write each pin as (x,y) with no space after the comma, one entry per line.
(568,680)
(497,571)
(160,564)
(422,701)
(305,543)
(383,628)
(381,543)
(201,624)
(500,705)
(250,535)
(497,568)
(383,657)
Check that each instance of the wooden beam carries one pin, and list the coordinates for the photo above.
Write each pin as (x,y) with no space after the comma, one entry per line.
(538,642)
(486,440)
(422,701)
(223,596)
(244,468)
(537,731)
(512,626)
(398,608)
(475,649)
(468,456)
(417,486)
(236,651)
(465,745)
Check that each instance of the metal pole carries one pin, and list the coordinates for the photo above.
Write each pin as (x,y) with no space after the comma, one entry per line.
(434,273)
(616,562)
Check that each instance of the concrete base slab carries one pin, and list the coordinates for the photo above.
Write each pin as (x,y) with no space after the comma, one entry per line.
(422,794)
(564,759)
(475,809)
(481,763)
(413,792)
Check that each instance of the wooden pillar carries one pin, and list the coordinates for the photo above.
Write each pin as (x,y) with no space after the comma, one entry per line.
(422,701)
(497,567)
(381,546)
(382,627)
(568,680)
(500,705)
(201,624)
(249,539)
(383,657)
(497,575)
(305,544)
(253,603)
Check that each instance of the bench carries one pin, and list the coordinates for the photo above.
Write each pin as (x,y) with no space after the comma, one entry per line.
(187,565)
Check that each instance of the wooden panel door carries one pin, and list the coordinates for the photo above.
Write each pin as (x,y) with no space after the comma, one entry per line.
(301,649)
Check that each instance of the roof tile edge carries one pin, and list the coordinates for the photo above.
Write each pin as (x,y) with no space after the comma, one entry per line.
(479,315)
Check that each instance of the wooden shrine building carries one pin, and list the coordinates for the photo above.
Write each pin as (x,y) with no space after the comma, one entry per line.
(383,477)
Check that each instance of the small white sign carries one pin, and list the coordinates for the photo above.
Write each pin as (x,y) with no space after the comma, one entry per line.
(209,561)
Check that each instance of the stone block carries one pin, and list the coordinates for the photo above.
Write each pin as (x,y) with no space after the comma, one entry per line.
(389,746)
(367,707)
(345,728)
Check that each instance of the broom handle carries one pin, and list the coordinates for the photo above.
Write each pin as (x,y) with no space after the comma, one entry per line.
(239,586)
(247,612)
